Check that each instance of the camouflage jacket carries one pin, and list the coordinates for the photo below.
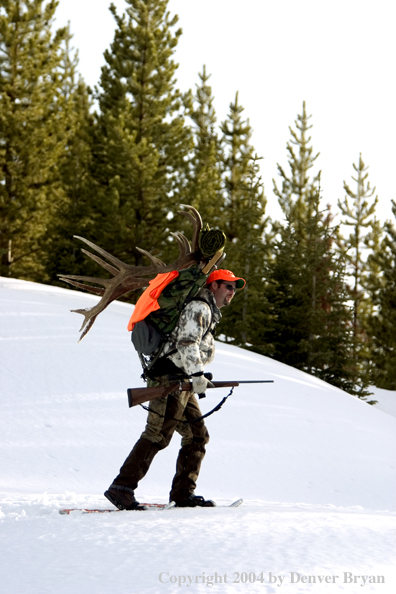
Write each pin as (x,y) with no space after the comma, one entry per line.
(193,336)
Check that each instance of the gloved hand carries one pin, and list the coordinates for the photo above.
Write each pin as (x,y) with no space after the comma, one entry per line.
(200,383)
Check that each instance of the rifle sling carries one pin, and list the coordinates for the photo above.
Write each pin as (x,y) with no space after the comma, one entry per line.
(215,409)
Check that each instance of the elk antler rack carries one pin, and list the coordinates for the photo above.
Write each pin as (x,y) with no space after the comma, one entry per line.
(126,277)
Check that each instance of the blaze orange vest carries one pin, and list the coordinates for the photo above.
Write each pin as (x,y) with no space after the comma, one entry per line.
(148,301)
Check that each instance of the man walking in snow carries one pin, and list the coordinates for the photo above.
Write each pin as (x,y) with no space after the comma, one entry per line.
(189,348)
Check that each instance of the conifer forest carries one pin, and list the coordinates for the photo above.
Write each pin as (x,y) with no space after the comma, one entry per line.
(113,164)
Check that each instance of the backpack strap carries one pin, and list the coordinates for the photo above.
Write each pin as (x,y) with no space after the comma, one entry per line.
(158,360)
(210,329)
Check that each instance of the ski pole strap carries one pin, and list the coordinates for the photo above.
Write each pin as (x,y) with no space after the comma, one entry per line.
(215,409)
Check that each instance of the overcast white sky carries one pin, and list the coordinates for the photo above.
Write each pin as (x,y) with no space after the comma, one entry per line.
(338,56)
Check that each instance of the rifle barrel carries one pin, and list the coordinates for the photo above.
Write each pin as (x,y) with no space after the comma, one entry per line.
(256,382)
(140,395)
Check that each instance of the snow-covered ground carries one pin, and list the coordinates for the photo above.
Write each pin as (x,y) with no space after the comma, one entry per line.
(386,400)
(315,467)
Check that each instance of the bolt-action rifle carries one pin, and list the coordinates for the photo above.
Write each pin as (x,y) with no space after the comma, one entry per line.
(140,395)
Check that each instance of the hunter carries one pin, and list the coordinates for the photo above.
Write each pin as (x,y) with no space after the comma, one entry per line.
(190,347)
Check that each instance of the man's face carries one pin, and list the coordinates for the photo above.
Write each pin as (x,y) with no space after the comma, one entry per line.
(223,292)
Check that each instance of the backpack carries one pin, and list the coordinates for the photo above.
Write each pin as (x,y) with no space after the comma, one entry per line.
(158,309)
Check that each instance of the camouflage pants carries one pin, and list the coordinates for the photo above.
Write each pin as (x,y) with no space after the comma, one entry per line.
(165,417)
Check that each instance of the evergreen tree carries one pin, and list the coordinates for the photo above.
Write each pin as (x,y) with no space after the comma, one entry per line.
(286,285)
(244,224)
(328,343)
(382,322)
(33,133)
(358,209)
(204,190)
(141,141)
(297,187)
(76,212)
(310,326)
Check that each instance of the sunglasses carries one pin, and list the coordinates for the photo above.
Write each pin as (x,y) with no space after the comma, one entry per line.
(229,287)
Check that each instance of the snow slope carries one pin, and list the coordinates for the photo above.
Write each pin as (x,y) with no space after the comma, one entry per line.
(386,400)
(315,466)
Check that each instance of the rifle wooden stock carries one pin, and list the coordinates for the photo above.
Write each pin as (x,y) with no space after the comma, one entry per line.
(140,395)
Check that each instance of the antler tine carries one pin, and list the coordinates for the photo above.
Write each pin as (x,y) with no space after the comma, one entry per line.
(105,282)
(114,288)
(96,290)
(102,263)
(153,259)
(184,244)
(88,320)
(118,263)
(88,327)
(196,220)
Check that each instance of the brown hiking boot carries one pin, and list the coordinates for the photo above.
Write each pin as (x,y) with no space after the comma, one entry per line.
(122,497)
(195,501)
